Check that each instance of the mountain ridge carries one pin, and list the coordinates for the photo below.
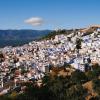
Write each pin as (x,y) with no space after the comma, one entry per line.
(20,37)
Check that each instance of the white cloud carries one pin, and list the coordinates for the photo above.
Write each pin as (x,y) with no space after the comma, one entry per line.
(34,21)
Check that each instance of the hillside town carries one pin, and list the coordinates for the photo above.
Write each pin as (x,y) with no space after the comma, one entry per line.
(32,61)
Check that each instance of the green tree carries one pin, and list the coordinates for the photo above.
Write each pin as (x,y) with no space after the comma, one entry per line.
(78,44)
(96,85)
(78,77)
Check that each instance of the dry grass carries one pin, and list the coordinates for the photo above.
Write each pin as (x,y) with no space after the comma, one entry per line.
(61,71)
(89,87)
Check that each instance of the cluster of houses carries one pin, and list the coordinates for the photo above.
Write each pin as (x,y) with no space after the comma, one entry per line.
(31,61)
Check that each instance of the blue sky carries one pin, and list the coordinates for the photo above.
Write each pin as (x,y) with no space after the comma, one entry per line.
(54,13)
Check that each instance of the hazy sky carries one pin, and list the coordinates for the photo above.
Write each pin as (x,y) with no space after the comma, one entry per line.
(48,14)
